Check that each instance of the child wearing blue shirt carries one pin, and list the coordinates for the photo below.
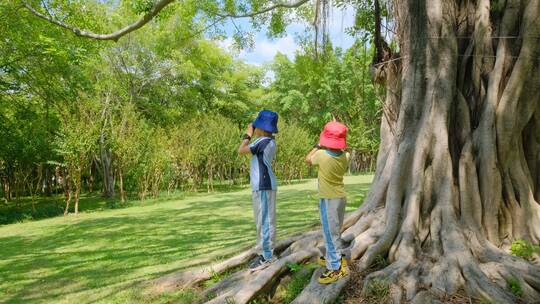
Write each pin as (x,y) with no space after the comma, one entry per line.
(263,183)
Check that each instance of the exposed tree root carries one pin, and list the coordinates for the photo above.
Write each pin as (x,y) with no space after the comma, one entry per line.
(260,280)
(316,293)
(184,279)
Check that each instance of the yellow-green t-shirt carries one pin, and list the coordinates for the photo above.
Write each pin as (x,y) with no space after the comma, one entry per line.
(332,167)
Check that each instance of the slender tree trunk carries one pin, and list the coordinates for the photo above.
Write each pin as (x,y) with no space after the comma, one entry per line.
(121,184)
(77,181)
(46,186)
(34,188)
(107,170)
(6,188)
(67,190)
(91,179)
(106,155)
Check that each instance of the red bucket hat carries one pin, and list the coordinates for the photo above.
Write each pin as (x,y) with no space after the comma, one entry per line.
(334,136)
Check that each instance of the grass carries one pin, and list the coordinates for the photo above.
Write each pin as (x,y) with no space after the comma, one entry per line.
(22,209)
(378,290)
(515,287)
(299,280)
(99,257)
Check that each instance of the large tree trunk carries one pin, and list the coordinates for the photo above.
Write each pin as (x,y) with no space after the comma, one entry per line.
(459,186)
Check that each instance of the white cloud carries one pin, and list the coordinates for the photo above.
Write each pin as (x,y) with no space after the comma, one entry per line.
(265,50)
(226,44)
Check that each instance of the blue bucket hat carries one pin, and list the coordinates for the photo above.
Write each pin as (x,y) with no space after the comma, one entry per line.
(267,121)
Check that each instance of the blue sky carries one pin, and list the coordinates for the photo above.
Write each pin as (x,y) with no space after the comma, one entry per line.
(266,48)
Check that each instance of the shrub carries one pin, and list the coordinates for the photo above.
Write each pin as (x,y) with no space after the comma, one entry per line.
(523,249)
(204,150)
(515,287)
(293,144)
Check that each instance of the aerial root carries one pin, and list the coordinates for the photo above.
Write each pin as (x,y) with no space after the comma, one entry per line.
(362,242)
(368,221)
(504,276)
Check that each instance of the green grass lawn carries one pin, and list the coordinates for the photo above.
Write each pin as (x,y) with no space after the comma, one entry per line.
(99,257)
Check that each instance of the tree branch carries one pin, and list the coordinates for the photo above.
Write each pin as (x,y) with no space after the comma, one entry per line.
(154,11)
(156,8)
(265,10)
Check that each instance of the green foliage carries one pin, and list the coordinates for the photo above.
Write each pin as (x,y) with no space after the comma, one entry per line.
(524,249)
(204,148)
(294,267)
(14,214)
(215,278)
(277,22)
(167,105)
(310,91)
(142,6)
(129,97)
(515,287)
(298,282)
(77,136)
(293,142)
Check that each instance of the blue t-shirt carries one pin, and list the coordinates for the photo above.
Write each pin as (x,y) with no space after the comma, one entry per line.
(260,171)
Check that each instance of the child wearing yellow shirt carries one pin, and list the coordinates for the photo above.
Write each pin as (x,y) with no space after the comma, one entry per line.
(332,162)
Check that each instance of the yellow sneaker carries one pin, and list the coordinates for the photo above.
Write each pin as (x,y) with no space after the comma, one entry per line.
(322,261)
(331,276)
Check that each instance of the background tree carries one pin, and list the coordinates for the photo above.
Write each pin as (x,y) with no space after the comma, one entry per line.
(312,90)
(76,142)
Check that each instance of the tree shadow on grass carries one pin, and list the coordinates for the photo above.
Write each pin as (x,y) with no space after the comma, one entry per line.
(90,259)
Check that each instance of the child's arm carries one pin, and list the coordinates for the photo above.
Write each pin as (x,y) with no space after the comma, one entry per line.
(309,156)
(244,145)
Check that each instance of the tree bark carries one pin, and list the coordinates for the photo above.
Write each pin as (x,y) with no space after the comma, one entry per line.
(121,184)
(107,170)
(66,185)
(77,182)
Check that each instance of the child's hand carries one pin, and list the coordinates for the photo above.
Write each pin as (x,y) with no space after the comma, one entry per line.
(250,130)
